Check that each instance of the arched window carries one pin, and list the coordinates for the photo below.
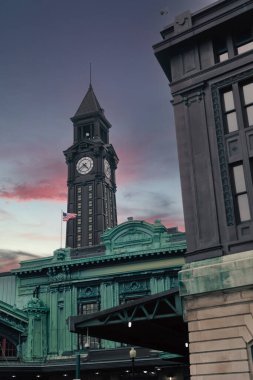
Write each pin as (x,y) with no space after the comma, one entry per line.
(7,348)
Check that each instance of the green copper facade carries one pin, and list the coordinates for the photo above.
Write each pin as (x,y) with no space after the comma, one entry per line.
(139,259)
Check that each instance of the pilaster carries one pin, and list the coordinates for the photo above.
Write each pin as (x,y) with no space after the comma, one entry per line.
(36,345)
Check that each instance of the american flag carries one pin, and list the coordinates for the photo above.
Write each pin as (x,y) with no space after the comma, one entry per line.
(68,215)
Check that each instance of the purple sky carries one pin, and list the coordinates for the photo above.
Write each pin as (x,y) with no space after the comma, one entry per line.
(46,49)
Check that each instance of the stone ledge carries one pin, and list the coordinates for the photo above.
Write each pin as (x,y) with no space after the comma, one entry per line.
(221,273)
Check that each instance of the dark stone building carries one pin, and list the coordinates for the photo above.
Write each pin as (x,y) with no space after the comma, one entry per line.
(207,57)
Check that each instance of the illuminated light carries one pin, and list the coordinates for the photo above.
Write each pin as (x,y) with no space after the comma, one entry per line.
(97,373)
(129,324)
(145,371)
(186,344)
(65,374)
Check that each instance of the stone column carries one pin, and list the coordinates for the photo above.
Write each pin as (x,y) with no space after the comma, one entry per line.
(218,306)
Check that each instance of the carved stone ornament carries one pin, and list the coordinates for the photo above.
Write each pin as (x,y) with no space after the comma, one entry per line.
(88,292)
(58,274)
(134,287)
(193,96)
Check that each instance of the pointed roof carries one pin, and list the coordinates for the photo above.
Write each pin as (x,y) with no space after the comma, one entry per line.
(89,104)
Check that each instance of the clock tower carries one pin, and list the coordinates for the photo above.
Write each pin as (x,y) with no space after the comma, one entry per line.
(92,162)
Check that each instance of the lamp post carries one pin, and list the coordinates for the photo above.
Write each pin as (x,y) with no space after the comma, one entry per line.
(132,354)
(77,366)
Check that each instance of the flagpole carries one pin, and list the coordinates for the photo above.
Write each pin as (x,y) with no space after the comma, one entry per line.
(61,228)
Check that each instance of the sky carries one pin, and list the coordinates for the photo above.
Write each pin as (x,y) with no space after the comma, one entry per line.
(46,48)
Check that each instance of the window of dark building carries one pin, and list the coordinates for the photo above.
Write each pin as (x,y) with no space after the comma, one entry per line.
(220,49)
(240,193)
(243,39)
(7,349)
(247,90)
(237,108)
(230,117)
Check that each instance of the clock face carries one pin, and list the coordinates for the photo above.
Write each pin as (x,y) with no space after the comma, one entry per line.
(107,169)
(84,165)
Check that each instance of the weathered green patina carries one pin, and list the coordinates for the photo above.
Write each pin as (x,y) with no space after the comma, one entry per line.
(140,259)
(220,273)
(140,237)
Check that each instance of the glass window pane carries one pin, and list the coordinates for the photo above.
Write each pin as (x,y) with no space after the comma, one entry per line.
(248,93)
(243,205)
(250,115)
(228,101)
(232,122)
(239,179)
(223,57)
(245,47)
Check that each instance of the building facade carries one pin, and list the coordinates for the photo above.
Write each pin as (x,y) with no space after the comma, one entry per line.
(139,259)
(208,58)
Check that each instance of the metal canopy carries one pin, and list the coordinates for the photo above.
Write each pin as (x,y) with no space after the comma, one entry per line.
(156,322)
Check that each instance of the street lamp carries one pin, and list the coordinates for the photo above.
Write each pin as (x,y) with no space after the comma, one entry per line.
(132,354)
(78,356)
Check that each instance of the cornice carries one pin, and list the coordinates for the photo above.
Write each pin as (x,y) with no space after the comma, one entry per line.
(66,265)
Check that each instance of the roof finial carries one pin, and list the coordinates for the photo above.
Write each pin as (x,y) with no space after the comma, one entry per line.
(90,74)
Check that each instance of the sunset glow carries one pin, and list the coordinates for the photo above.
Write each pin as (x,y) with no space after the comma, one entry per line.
(46,55)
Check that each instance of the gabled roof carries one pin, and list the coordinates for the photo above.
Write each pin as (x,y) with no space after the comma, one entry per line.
(89,104)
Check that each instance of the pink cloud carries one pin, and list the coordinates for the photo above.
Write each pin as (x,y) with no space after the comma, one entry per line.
(167,221)
(7,265)
(11,259)
(130,167)
(42,178)
(42,190)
